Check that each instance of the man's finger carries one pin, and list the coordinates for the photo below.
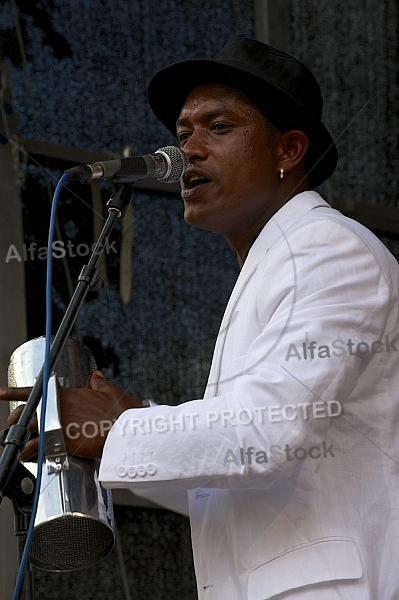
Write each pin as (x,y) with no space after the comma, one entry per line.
(19,394)
(13,418)
(98,382)
(30,451)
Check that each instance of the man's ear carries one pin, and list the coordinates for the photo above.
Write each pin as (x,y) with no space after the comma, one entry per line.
(294,145)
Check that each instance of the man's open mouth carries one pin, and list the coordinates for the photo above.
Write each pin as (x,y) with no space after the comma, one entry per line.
(195,181)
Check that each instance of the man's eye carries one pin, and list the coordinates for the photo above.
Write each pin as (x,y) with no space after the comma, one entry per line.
(220,127)
(183,136)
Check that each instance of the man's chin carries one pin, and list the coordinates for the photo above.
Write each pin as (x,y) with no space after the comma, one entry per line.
(198,218)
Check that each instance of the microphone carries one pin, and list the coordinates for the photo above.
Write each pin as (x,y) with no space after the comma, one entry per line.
(166,164)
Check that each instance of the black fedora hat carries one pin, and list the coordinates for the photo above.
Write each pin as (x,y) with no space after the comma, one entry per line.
(283,88)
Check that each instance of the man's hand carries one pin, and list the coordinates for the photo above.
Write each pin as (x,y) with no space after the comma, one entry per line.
(87,414)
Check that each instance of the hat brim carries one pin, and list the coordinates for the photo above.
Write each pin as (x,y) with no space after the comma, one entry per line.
(169,88)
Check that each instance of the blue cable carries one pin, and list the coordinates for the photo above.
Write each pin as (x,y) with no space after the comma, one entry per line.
(46,376)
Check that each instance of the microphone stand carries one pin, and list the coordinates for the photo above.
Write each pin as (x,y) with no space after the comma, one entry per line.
(15,438)
(21,490)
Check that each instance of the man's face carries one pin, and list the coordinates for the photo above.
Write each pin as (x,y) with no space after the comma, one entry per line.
(231,182)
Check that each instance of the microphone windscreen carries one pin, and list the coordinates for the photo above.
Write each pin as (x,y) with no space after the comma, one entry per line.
(179,162)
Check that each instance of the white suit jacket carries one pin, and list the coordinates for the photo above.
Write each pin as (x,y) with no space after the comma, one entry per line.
(291,459)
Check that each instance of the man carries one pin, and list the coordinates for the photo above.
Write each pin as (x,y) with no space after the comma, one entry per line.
(289,461)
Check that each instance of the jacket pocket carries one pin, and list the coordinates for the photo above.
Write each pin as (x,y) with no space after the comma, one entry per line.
(325,560)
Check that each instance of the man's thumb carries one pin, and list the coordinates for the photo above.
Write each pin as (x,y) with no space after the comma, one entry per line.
(97,381)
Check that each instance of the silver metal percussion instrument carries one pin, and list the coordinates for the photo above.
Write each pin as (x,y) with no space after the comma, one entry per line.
(74,521)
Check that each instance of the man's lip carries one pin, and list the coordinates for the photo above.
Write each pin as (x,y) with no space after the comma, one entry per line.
(193,172)
(195,192)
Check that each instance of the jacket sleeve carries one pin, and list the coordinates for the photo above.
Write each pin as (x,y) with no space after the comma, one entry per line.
(301,343)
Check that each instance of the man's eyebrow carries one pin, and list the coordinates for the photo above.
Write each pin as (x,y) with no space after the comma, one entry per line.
(218,112)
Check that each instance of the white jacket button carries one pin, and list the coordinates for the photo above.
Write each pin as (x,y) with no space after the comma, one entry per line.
(141,471)
(132,471)
(151,469)
(121,470)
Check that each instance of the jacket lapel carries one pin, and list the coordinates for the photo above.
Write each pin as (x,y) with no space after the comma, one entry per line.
(272,231)
(249,268)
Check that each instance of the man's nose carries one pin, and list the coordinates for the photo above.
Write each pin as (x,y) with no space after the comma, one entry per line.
(195,146)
